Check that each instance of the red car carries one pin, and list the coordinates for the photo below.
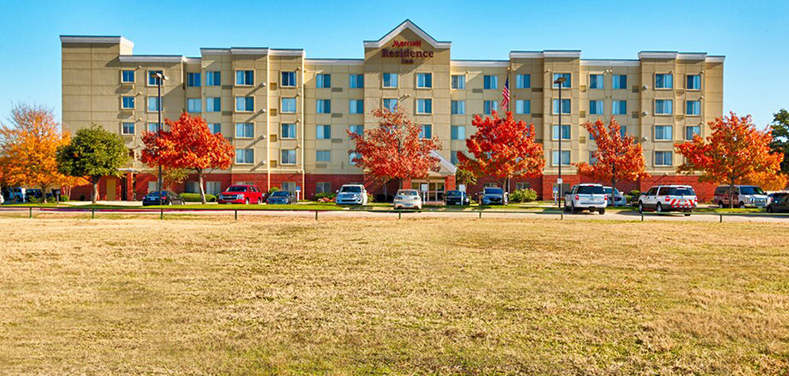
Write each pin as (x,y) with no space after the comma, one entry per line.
(241,194)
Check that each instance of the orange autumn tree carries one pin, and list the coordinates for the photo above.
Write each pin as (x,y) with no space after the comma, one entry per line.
(735,153)
(618,157)
(28,149)
(503,149)
(394,149)
(189,144)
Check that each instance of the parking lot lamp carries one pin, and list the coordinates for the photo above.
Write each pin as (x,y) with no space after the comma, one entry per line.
(160,77)
(560,81)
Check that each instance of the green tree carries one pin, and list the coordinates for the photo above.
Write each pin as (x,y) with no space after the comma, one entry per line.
(93,153)
(780,142)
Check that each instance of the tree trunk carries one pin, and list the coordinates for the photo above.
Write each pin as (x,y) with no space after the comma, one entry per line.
(613,191)
(731,194)
(44,194)
(200,183)
(95,194)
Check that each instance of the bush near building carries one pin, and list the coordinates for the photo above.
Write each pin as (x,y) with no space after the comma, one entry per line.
(523,195)
(195,197)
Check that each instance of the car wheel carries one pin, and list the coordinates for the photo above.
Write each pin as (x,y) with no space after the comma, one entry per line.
(769,209)
(602,211)
(169,203)
(246,201)
(741,205)
(659,208)
(572,207)
(720,204)
(640,207)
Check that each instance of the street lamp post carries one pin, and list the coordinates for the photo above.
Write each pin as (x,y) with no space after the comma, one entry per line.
(560,81)
(160,77)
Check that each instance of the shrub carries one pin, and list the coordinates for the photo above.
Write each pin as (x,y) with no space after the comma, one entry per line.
(327,195)
(195,197)
(35,200)
(370,198)
(64,198)
(523,195)
(635,193)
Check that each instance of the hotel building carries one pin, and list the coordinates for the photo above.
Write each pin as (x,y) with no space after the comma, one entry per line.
(288,115)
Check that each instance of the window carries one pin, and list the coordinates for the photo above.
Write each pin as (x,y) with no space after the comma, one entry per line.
(245,130)
(459,81)
(352,157)
(596,81)
(565,132)
(289,186)
(152,79)
(356,106)
(245,156)
(358,129)
(213,78)
(663,133)
(693,108)
(287,131)
(424,106)
(390,80)
(215,128)
(664,106)
(213,104)
(427,131)
(323,132)
(596,107)
(424,80)
(453,157)
(356,81)
(592,159)
(458,107)
(323,106)
(287,79)
(663,158)
(619,107)
(288,106)
(565,106)
(245,104)
(193,79)
(323,155)
(323,81)
(245,78)
(390,104)
(489,106)
(323,187)
(491,82)
(523,106)
(567,79)
(623,131)
(194,105)
(619,81)
(565,158)
(127,102)
(664,81)
(691,131)
(519,186)
(693,82)
(127,128)
(127,76)
(153,104)
(523,81)
(153,127)
(458,132)
(288,157)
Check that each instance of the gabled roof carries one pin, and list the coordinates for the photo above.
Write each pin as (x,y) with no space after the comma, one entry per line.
(407,24)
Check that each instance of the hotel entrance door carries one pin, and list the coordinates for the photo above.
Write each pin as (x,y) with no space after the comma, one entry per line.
(435,191)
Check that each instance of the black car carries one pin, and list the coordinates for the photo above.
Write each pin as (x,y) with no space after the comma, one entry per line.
(456,198)
(281,197)
(779,203)
(168,198)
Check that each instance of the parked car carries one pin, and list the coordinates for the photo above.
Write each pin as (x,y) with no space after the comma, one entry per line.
(17,194)
(619,198)
(351,194)
(582,197)
(456,198)
(168,198)
(779,203)
(493,196)
(408,199)
(241,194)
(281,197)
(743,196)
(665,198)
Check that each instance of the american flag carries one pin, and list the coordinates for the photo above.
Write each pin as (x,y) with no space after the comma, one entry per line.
(505,93)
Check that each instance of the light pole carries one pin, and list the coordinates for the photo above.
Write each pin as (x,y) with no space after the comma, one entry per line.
(560,81)
(160,77)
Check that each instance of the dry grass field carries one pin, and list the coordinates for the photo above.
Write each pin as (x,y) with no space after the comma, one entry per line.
(368,296)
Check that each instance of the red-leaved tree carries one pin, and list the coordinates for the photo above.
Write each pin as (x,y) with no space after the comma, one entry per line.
(189,144)
(618,157)
(735,153)
(503,149)
(394,149)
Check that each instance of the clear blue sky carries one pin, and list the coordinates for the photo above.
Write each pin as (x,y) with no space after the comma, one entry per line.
(754,35)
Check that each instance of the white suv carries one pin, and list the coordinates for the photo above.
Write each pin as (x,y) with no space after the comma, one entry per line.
(586,197)
(665,198)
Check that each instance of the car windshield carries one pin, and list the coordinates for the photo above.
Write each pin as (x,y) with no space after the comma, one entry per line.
(409,192)
(591,190)
(681,191)
(351,189)
(493,191)
(237,189)
(454,194)
(280,194)
(751,191)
